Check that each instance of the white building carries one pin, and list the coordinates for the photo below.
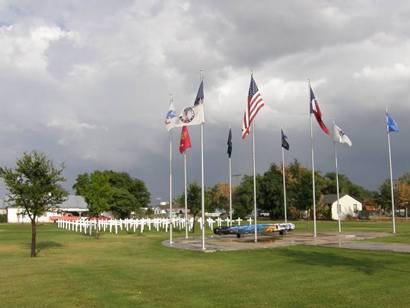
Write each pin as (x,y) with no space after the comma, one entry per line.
(74,206)
(348,206)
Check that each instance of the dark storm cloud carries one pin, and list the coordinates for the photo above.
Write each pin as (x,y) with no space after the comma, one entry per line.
(88,82)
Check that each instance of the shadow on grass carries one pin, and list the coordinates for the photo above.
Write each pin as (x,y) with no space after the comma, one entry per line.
(45,245)
(327,259)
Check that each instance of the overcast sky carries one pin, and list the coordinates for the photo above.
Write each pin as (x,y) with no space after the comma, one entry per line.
(88,83)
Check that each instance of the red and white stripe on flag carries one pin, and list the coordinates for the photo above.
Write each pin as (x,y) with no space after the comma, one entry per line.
(255,103)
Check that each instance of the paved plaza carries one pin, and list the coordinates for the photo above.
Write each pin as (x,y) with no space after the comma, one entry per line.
(350,240)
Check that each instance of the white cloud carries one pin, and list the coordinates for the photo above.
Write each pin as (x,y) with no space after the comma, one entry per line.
(24,46)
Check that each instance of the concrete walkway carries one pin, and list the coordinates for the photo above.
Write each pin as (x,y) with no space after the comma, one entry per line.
(356,240)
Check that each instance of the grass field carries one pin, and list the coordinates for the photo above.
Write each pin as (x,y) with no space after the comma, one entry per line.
(133,270)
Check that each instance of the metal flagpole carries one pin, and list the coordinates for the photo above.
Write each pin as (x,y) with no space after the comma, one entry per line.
(391,182)
(230,191)
(254,181)
(202,188)
(337,187)
(284,184)
(230,185)
(313,178)
(202,180)
(170,188)
(186,198)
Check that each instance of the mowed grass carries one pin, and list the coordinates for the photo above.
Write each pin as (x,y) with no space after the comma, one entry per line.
(134,270)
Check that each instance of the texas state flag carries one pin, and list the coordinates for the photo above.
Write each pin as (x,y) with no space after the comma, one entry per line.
(315,109)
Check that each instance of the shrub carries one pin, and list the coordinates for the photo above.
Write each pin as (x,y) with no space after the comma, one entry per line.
(3,218)
(350,217)
(363,215)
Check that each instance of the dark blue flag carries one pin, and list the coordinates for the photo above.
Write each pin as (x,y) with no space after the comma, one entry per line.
(229,143)
(200,95)
(285,143)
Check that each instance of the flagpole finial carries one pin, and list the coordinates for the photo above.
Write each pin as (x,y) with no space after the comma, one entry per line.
(201,75)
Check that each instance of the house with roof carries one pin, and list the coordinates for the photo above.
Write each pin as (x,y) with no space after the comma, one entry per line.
(73,206)
(349,206)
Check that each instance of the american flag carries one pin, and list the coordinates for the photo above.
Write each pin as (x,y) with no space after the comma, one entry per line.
(255,103)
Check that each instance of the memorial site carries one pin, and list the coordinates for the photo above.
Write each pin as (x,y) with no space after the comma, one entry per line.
(204,154)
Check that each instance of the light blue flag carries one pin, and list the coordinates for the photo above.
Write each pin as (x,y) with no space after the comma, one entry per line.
(391,124)
(171,117)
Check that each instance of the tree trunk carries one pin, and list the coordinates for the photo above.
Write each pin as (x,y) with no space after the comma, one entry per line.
(193,225)
(97,231)
(33,237)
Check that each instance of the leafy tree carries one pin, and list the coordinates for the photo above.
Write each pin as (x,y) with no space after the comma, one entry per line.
(300,186)
(81,183)
(35,186)
(403,194)
(270,192)
(132,196)
(128,194)
(384,195)
(243,196)
(405,178)
(217,197)
(122,202)
(401,190)
(97,192)
(194,200)
(346,186)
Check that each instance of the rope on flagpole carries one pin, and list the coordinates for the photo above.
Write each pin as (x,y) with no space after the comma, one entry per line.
(202,178)
(391,180)
(254,182)
(170,188)
(186,198)
(337,186)
(170,181)
(230,184)
(313,172)
(284,184)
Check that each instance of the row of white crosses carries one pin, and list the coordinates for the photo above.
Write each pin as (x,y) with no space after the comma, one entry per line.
(135,225)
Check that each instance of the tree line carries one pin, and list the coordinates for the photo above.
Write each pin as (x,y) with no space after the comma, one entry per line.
(298,178)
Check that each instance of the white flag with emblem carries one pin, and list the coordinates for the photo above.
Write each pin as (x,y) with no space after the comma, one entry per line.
(339,136)
(194,115)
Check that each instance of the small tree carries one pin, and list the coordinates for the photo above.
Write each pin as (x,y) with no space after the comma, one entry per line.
(34,186)
(194,200)
(97,193)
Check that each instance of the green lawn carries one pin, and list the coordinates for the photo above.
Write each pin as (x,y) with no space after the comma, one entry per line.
(74,270)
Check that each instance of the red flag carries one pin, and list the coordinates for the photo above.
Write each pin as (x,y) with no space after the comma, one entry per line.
(315,109)
(185,142)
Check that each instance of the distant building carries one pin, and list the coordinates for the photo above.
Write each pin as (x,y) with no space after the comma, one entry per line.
(348,206)
(163,209)
(73,206)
